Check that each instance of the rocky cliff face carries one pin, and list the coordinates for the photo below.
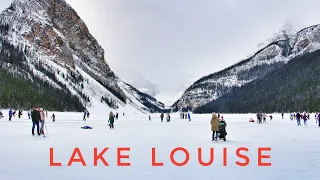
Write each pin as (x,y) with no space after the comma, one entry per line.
(55,39)
(265,61)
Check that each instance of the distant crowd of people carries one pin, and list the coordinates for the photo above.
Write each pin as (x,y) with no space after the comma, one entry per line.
(305,117)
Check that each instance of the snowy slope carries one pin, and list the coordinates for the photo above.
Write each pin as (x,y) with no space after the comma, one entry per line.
(137,80)
(55,40)
(294,150)
(266,60)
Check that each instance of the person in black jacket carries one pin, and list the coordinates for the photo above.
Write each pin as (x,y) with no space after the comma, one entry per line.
(35,116)
(298,117)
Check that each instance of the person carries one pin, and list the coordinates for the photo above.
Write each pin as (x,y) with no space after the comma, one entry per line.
(1,115)
(270,117)
(189,117)
(305,118)
(161,117)
(264,117)
(117,116)
(53,117)
(84,115)
(28,114)
(35,115)
(298,116)
(88,114)
(42,118)
(259,117)
(168,118)
(316,117)
(319,119)
(214,127)
(111,120)
(19,113)
(149,118)
(222,129)
(46,114)
(10,114)
(282,115)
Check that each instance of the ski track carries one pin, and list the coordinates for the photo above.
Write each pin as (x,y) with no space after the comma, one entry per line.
(295,150)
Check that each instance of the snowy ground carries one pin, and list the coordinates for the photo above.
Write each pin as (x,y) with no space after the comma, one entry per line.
(295,150)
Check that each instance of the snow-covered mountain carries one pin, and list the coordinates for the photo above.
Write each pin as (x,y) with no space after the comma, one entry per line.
(268,59)
(59,49)
(139,81)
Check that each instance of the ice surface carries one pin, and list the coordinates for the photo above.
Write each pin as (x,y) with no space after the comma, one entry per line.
(295,150)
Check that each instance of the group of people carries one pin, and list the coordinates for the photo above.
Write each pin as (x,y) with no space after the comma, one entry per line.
(262,118)
(162,117)
(185,116)
(305,117)
(38,116)
(218,127)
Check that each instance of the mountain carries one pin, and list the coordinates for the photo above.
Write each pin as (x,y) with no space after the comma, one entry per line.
(48,49)
(137,80)
(293,87)
(267,60)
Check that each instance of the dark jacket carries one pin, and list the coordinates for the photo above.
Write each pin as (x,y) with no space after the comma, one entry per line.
(298,116)
(35,116)
(111,118)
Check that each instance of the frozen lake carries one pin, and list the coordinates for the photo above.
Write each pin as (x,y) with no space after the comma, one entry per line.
(295,150)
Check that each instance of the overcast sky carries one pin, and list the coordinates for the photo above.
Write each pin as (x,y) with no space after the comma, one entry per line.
(174,41)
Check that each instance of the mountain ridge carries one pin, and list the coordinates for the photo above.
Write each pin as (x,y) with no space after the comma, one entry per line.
(265,60)
(52,34)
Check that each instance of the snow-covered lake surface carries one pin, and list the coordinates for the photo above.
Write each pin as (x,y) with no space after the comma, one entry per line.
(295,150)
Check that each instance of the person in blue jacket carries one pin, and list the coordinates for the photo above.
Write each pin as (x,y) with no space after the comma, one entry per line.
(189,117)
(10,114)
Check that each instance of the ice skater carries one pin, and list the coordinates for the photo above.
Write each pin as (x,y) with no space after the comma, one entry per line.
(305,119)
(85,115)
(259,118)
(319,119)
(53,117)
(35,115)
(111,120)
(42,119)
(88,114)
(215,127)
(298,118)
(264,118)
(189,117)
(168,117)
(10,114)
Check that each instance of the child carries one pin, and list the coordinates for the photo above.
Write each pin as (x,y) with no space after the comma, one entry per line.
(53,117)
